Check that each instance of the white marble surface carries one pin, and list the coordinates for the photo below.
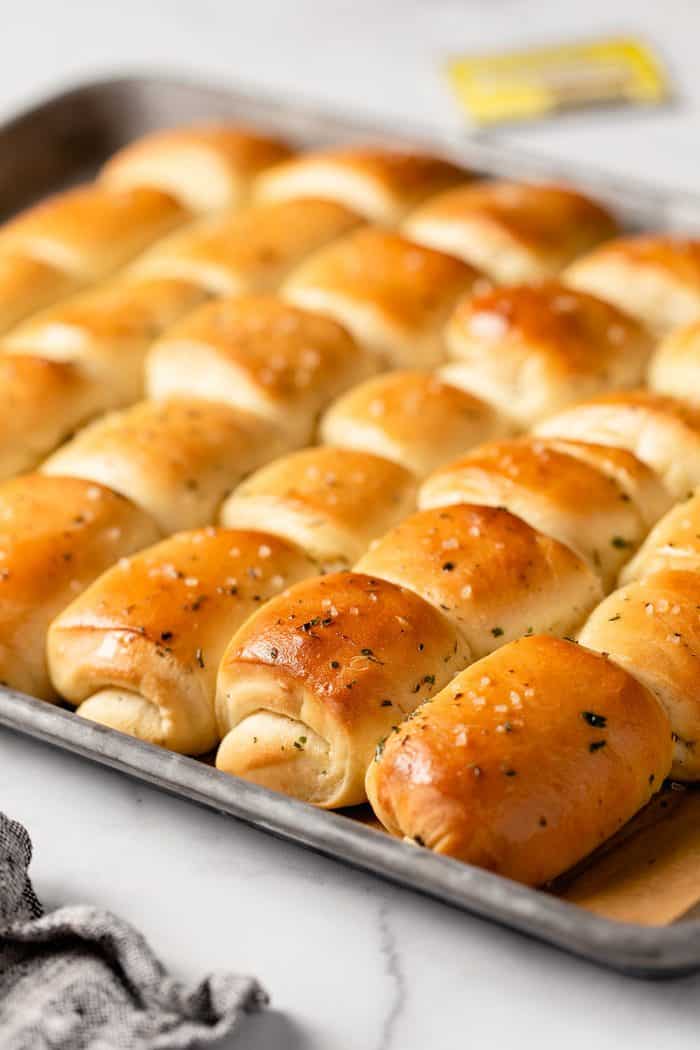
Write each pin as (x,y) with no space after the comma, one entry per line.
(351,963)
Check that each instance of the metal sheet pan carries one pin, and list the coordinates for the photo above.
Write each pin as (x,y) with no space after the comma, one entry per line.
(63,140)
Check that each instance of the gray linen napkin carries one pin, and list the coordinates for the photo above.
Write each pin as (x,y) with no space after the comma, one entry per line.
(82,979)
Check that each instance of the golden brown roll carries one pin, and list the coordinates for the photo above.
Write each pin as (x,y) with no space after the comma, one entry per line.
(653,278)
(673,544)
(330,501)
(413,418)
(260,354)
(27,285)
(531,350)
(56,536)
(661,431)
(392,294)
(44,402)
(382,184)
(207,166)
(139,650)
(108,331)
(247,251)
(178,459)
(652,628)
(526,762)
(314,679)
(91,230)
(513,231)
(580,500)
(675,367)
(491,574)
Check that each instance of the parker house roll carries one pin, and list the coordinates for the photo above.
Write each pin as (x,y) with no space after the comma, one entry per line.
(652,628)
(107,331)
(177,459)
(207,167)
(90,231)
(382,184)
(139,650)
(247,251)
(44,402)
(675,367)
(600,501)
(56,536)
(531,350)
(27,285)
(316,677)
(661,431)
(392,294)
(330,501)
(260,354)
(413,418)
(673,544)
(526,762)
(654,278)
(513,231)
(491,574)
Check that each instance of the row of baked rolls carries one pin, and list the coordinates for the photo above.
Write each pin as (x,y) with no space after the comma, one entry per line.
(526,762)
(234,385)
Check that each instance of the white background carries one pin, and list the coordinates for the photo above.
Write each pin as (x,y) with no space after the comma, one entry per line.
(351,963)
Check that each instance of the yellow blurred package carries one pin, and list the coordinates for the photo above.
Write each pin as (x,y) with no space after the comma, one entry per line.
(522,85)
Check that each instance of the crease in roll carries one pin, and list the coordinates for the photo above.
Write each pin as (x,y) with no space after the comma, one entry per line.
(311,683)
(107,331)
(251,250)
(178,458)
(661,431)
(392,294)
(513,231)
(379,183)
(262,355)
(56,536)
(28,285)
(139,650)
(654,277)
(530,350)
(651,627)
(526,762)
(332,502)
(207,167)
(413,418)
(598,501)
(491,574)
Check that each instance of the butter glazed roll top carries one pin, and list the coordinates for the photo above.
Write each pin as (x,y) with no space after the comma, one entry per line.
(392,294)
(673,544)
(178,458)
(27,285)
(313,680)
(90,231)
(531,350)
(652,628)
(413,418)
(492,575)
(247,251)
(139,650)
(513,231)
(675,367)
(599,501)
(56,536)
(653,278)
(330,501)
(207,167)
(380,183)
(260,354)
(526,762)
(661,431)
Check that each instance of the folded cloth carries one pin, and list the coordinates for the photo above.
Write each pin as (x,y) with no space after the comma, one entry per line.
(82,979)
